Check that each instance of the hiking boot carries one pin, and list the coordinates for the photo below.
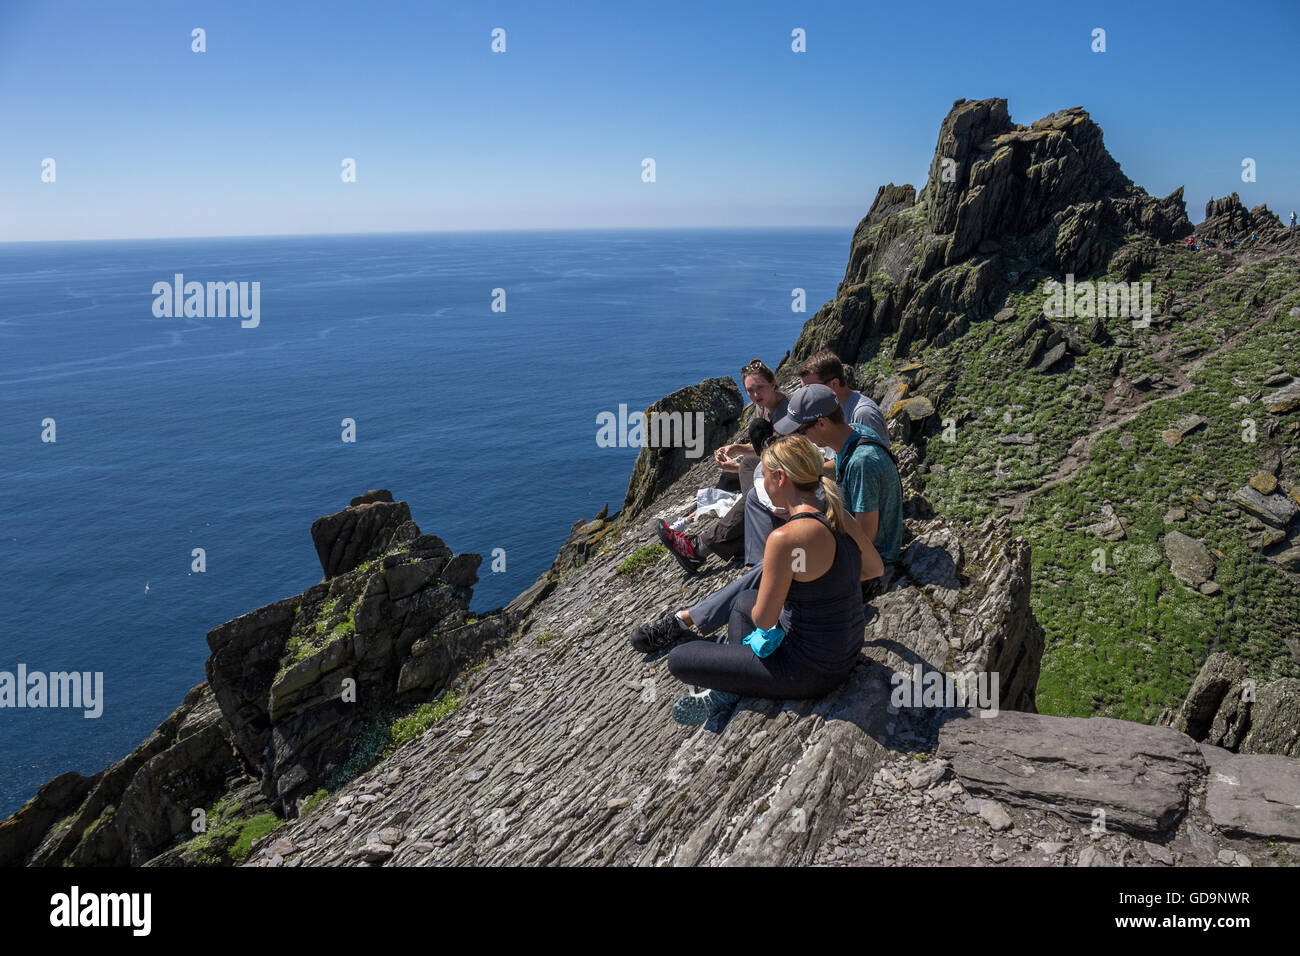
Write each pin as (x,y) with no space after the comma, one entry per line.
(684,547)
(694,710)
(665,632)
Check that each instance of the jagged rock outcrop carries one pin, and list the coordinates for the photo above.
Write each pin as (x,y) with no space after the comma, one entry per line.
(132,810)
(1000,200)
(301,679)
(1227,218)
(583,539)
(292,687)
(1225,708)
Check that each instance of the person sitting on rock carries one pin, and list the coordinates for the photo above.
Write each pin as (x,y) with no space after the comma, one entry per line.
(725,538)
(864,468)
(825,368)
(796,633)
(868,481)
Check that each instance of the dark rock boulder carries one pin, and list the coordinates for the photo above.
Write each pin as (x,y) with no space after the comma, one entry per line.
(138,806)
(361,531)
(24,831)
(1221,678)
(718,401)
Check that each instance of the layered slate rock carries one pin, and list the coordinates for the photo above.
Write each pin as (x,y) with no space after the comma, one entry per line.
(1283,400)
(1140,776)
(565,751)
(718,401)
(1254,795)
(1275,509)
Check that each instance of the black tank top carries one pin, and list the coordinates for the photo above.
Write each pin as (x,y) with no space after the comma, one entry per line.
(823,618)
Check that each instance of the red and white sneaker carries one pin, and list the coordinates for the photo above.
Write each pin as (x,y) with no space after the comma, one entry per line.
(684,547)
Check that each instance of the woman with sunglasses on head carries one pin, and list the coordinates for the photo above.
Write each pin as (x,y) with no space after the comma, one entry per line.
(725,538)
(798,635)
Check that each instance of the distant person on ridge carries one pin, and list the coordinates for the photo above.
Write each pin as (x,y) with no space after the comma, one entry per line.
(797,633)
(825,368)
(1292,218)
(726,536)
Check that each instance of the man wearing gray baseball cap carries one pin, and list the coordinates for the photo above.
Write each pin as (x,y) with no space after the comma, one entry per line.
(864,469)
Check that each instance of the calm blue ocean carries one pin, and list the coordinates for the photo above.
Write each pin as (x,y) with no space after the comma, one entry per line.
(177,433)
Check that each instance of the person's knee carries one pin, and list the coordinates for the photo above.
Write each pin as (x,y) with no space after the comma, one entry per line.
(677,661)
(744,603)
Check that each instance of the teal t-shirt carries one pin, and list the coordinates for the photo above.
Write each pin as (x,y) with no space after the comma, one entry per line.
(869,482)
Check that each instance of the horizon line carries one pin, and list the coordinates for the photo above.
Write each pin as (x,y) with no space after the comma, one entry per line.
(426,232)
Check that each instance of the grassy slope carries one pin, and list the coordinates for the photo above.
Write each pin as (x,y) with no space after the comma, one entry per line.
(1128,641)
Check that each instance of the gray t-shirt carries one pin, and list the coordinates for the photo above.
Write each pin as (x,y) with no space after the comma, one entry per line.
(780,408)
(860,410)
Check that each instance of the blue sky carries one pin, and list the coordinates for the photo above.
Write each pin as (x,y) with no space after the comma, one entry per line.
(151,139)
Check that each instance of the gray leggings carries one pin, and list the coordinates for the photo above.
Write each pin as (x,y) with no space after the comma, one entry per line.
(732,667)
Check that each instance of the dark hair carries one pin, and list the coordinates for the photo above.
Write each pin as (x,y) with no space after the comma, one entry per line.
(760,433)
(826,365)
(756,367)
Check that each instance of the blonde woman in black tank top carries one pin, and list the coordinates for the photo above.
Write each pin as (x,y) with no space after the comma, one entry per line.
(809,586)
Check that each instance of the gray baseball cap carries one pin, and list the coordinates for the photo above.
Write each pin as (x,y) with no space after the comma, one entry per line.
(808,404)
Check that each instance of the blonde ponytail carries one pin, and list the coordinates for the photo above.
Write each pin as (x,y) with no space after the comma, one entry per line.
(835,504)
(802,461)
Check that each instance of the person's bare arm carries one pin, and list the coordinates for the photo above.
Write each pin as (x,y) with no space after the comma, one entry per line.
(869,522)
(735,451)
(872,565)
(778,572)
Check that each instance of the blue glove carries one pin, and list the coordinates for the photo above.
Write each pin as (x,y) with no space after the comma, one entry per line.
(762,642)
